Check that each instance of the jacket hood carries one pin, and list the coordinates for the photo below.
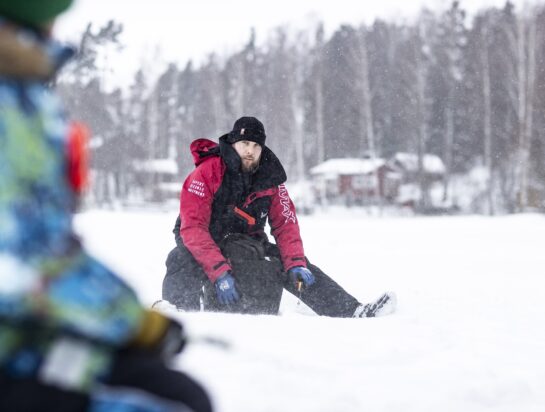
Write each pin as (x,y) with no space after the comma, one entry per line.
(26,56)
(269,173)
(201,149)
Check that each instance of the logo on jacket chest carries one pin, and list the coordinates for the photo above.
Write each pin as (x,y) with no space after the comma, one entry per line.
(259,208)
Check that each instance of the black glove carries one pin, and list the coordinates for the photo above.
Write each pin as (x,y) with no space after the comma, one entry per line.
(160,334)
(173,341)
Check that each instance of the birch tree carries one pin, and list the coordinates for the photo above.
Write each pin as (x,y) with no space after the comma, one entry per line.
(526,47)
(522,43)
(487,114)
(451,42)
(319,93)
(420,50)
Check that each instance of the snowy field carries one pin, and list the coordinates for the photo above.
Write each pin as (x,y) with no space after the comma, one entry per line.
(469,334)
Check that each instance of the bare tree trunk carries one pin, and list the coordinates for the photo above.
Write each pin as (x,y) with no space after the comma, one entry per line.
(153,118)
(173,121)
(218,105)
(487,116)
(521,107)
(528,120)
(449,143)
(298,134)
(422,135)
(239,101)
(320,141)
(526,61)
(369,136)
(298,118)
(319,94)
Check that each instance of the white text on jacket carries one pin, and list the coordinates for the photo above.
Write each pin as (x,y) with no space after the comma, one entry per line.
(285,202)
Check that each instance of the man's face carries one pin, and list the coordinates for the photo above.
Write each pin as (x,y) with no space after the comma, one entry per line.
(250,153)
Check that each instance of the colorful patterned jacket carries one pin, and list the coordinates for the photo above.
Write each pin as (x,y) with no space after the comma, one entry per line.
(49,286)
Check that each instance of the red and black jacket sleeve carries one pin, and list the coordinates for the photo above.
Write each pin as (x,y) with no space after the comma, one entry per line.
(285,229)
(195,211)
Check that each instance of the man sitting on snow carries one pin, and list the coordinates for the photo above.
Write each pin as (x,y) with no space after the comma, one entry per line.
(223,255)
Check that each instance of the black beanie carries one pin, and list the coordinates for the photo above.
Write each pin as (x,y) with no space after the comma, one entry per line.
(247,128)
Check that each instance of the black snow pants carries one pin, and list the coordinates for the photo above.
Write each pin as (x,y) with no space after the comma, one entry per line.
(260,280)
(135,375)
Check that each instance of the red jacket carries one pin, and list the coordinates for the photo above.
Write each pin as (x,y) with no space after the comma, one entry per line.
(215,202)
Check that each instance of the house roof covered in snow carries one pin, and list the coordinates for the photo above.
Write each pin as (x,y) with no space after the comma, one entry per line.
(348,166)
(409,162)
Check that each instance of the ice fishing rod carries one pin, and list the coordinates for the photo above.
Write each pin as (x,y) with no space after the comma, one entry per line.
(210,340)
(299,289)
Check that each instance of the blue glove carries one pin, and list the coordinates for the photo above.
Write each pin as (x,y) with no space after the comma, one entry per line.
(302,274)
(226,290)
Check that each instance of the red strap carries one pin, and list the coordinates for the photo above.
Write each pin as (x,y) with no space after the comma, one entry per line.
(248,218)
(77,157)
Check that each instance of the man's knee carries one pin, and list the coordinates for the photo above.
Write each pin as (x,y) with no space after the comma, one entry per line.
(260,285)
(183,281)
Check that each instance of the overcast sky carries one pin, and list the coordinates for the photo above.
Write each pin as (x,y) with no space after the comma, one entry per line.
(191,29)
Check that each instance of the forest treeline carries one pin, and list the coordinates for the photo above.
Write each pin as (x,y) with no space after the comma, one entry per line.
(468,89)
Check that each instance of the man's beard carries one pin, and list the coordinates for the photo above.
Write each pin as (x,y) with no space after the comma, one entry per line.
(249,165)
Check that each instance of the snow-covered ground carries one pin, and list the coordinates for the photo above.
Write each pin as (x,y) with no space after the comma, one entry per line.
(468,336)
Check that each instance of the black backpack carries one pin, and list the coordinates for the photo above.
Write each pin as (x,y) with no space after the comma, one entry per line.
(259,276)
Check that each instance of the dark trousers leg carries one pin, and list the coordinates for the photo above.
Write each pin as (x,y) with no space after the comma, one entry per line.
(326,297)
(29,395)
(183,281)
(144,372)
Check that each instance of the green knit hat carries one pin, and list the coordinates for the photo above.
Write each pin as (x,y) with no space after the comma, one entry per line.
(33,13)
